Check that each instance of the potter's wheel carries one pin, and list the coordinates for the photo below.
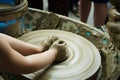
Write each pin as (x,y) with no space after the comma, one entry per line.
(84,58)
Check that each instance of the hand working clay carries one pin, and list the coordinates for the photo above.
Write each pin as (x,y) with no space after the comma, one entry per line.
(48,42)
(60,46)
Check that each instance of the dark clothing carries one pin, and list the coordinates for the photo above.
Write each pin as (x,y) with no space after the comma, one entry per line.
(35,4)
(56,6)
(100,1)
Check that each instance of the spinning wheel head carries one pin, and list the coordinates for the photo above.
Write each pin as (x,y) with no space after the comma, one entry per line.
(83,57)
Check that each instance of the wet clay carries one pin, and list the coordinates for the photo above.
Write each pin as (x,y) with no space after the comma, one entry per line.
(83,57)
(61,47)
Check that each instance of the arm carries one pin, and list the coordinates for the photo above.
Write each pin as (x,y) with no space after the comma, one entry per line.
(13,61)
(20,46)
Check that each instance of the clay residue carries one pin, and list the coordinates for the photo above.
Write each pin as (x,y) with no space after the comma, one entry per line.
(113,26)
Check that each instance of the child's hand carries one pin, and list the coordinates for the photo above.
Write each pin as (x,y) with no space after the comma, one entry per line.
(60,46)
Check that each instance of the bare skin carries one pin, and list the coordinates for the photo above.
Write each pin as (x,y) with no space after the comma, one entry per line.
(21,57)
(100,12)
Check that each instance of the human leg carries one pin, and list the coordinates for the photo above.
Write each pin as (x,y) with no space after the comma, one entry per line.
(100,14)
(85,6)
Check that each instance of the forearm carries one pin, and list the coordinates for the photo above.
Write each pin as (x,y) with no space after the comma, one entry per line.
(39,61)
(20,46)
(10,59)
(19,64)
(13,61)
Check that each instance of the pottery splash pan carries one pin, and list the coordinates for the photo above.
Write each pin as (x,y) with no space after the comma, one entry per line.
(36,20)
